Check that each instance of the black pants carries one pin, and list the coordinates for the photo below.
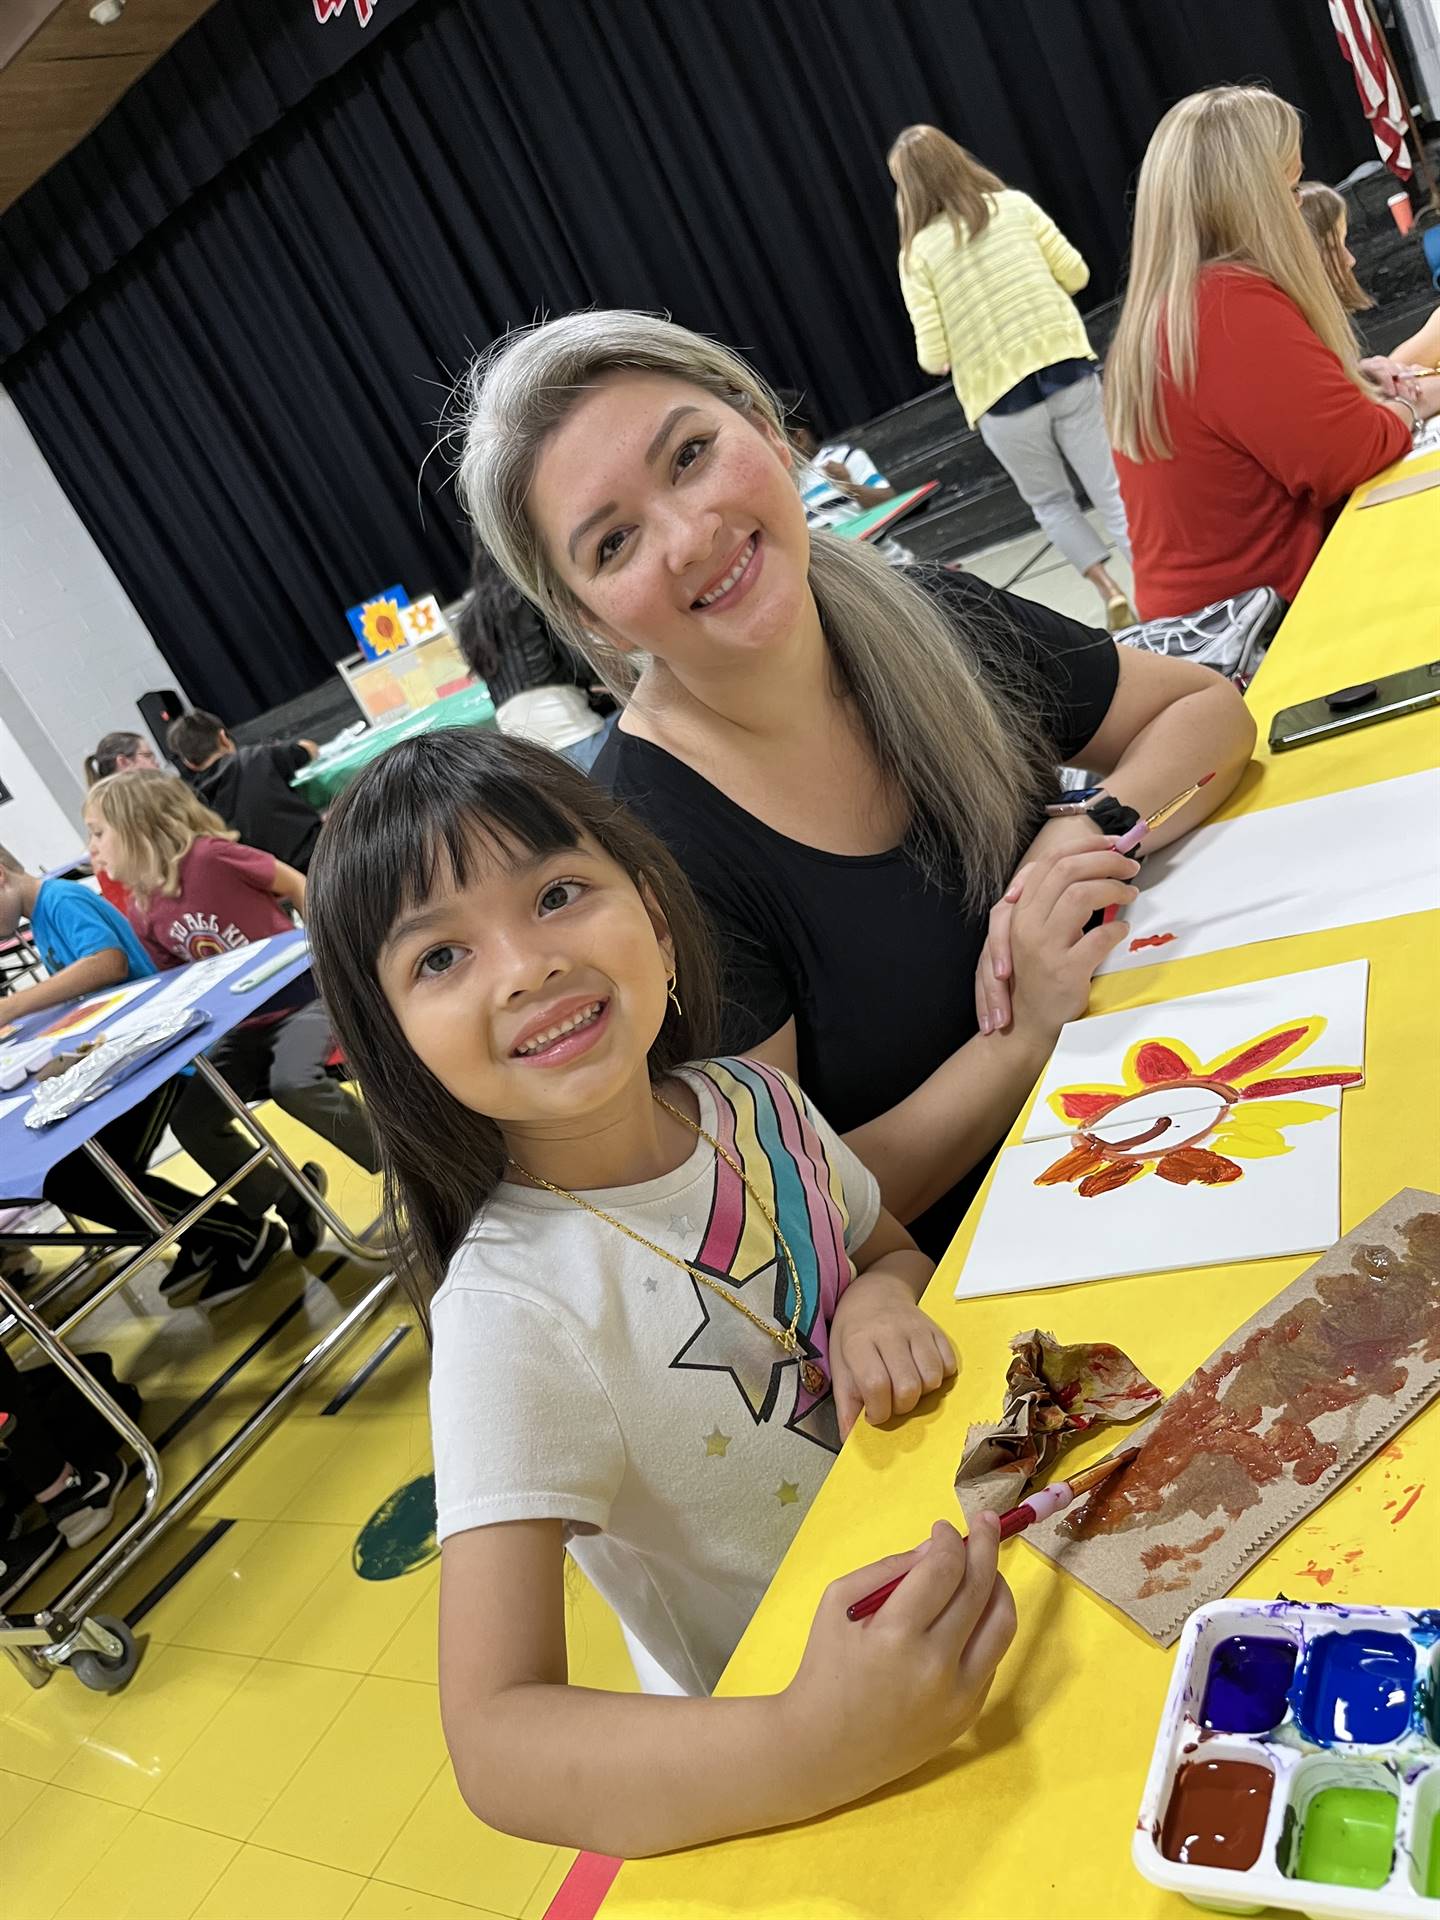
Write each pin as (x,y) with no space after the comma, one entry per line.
(76,1184)
(30,1454)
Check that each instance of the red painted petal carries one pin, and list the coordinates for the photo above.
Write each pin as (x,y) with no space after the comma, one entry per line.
(1302,1082)
(1261,1054)
(1087,1106)
(1156,1063)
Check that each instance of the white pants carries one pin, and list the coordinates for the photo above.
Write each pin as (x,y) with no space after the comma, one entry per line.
(1029,446)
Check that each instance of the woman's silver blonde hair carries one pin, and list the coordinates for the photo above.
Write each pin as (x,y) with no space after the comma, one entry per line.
(963,742)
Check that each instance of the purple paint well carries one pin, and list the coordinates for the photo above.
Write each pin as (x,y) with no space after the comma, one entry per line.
(1357,1688)
(1247,1687)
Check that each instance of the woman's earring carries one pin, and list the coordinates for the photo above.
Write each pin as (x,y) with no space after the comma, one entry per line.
(670,990)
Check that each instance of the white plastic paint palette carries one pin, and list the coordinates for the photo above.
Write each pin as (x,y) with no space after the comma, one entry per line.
(1298,1762)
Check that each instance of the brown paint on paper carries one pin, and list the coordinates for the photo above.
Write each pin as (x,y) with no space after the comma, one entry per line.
(1287,1409)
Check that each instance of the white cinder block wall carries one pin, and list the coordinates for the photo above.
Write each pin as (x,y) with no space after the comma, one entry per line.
(74,654)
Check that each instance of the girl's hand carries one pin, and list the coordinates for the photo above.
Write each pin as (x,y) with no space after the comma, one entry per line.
(1055,959)
(875,1698)
(996,971)
(1393,377)
(884,1352)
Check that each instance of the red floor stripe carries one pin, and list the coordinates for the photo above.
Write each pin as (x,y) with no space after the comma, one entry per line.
(583,1888)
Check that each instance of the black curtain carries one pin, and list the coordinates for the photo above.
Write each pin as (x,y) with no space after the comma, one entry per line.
(238,378)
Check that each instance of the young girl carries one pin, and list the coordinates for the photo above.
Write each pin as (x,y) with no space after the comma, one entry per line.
(194,893)
(988,279)
(658,1296)
(1404,372)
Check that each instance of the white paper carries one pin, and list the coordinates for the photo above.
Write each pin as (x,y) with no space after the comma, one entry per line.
(1367,854)
(1427,439)
(9,1106)
(1033,1237)
(1207,1031)
(185,985)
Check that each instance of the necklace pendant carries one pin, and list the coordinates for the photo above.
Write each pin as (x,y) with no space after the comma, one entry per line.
(812,1376)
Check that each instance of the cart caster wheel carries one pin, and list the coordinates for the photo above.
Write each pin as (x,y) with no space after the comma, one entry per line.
(104,1675)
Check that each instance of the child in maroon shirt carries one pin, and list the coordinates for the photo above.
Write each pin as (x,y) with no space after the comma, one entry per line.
(194,893)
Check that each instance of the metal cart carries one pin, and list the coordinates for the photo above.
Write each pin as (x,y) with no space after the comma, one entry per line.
(99,1649)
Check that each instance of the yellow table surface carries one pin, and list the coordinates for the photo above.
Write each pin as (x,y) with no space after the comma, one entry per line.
(1034,1808)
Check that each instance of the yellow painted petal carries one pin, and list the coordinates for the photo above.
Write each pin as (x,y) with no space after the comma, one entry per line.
(1251,1143)
(1282,1113)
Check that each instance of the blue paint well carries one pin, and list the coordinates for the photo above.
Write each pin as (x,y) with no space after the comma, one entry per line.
(1248,1683)
(1357,1687)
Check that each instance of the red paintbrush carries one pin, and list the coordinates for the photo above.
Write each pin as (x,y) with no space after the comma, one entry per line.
(1039,1506)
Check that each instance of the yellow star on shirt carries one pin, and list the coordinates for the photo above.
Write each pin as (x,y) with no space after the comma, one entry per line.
(787,1493)
(716,1443)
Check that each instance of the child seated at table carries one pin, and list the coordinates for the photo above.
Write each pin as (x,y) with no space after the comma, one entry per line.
(1407,373)
(660,1293)
(249,787)
(196,891)
(86,946)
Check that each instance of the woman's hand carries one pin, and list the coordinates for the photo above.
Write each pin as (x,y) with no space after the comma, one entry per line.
(996,971)
(885,1353)
(875,1698)
(1055,959)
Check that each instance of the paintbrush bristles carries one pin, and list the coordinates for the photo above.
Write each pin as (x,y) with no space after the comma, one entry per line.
(1092,1476)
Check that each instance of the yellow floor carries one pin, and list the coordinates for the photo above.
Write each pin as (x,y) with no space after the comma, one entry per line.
(278,1755)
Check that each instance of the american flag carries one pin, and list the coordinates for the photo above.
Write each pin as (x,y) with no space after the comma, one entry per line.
(1375,81)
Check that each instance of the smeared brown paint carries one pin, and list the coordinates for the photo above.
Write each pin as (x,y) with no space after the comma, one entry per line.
(1415,1494)
(1211,1449)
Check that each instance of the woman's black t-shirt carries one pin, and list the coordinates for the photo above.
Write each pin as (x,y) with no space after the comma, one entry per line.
(875,963)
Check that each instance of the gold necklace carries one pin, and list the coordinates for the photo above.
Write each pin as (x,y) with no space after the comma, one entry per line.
(812,1375)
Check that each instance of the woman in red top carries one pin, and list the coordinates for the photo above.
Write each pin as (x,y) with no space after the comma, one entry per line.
(1239,414)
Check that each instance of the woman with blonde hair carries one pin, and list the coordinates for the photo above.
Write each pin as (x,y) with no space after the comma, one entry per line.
(1238,410)
(987,277)
(850,761)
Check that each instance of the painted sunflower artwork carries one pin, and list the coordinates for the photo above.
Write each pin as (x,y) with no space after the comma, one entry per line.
(1190,1122)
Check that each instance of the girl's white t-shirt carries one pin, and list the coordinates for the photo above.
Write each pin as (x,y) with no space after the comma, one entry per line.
(577,1377)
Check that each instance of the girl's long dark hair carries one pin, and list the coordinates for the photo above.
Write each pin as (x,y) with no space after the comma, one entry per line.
(429,805)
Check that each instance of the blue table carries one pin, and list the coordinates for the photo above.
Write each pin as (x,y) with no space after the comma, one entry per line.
(27,1154)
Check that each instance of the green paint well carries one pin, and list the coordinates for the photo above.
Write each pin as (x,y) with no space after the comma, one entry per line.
(1348,1837)
(399,1537)
(1432,1872)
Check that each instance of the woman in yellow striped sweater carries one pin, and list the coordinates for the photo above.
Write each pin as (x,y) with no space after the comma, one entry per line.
(987,277)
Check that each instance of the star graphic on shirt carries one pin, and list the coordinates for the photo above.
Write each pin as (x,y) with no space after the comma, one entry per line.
(787,1493)
(680,1223)
(716,1443)
(652,1285)
(726,1342)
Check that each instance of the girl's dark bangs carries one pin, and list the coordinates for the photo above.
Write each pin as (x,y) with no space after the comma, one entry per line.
(429,812)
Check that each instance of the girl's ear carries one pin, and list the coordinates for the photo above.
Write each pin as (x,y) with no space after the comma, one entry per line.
(658,921)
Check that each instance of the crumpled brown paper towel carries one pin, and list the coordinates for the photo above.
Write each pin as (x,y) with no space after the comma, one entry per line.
(1052,1394)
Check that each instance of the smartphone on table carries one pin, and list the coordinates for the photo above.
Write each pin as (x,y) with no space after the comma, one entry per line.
(1362,705)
